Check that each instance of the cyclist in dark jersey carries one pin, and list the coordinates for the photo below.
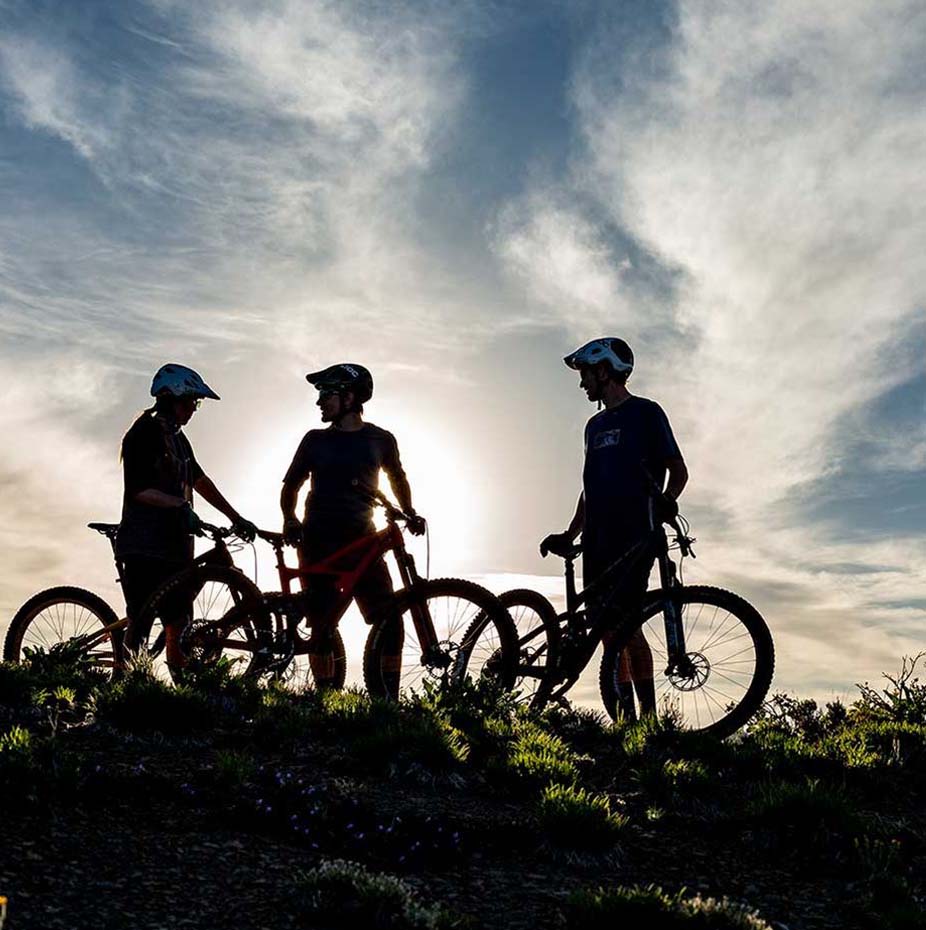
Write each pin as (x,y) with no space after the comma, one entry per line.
(343,462)
(160,472)
(628,445)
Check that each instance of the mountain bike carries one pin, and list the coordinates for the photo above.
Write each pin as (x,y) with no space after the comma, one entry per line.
(443,629)
(713,654)
(67,614)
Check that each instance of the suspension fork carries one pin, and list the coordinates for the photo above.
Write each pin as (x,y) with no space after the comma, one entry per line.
(421,618)
(671,608)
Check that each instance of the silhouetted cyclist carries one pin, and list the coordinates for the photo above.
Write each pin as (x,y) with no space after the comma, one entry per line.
(627,444)
(343,462)
(160,472)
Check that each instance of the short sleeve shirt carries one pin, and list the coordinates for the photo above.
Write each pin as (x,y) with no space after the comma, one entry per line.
(621,445)
(341,464)
(156,455)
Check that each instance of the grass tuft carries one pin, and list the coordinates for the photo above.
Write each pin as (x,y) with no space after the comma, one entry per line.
(572,818)
(346,894)
(650,906)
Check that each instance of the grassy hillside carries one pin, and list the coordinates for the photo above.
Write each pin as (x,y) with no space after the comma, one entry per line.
(223,804)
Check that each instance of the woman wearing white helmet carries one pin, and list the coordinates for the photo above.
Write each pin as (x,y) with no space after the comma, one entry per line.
(160,472)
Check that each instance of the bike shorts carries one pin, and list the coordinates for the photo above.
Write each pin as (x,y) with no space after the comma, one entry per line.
(373,589)
(142,575)
(630,597)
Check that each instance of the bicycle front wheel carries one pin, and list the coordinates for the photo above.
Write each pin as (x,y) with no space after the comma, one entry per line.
(200,598)
(63,614)
(728,666)
(475,639)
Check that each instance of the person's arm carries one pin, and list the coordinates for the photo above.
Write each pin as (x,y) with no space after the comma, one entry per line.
(155,498)
(398,481)
(402,490)
(289,494)
(296,476)
(212,495)
(577,523)
(677,477)
(559,543)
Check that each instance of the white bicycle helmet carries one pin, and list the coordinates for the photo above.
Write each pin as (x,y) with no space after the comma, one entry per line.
(609,349)
(181,382)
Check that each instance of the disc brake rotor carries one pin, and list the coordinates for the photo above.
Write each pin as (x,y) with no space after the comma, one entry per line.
(692,674)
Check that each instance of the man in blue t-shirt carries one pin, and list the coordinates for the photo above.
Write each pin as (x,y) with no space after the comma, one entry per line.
(628,445)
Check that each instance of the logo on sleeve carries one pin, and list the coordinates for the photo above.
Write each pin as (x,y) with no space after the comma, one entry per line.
(607,437)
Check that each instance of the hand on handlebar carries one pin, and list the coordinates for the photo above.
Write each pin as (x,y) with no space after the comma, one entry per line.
(244,529)
(416,524)
(558,543)
(292,531)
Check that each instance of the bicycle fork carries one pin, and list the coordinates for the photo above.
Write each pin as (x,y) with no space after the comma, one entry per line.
(679,664)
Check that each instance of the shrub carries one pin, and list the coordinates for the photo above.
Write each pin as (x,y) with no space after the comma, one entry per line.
(902,700)
(345,894)
(574,819)
(808,816)
(33,768)
(16,684)
(538,757)
(382,735)
(662,781)
(637,906)
(140,703)
(17,757)
(652,735)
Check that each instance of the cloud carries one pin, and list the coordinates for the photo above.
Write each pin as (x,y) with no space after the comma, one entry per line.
(43,83)
(563,260)
(775,164)
(267,157)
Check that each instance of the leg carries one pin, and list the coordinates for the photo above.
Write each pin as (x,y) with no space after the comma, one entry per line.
(142,576)
(373,592)
(625,704)
(323,600)
(637,653)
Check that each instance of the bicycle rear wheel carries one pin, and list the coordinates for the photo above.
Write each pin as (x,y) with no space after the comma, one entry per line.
(731,660)
(476,639)
(203,595)
(59,615)
(538,639)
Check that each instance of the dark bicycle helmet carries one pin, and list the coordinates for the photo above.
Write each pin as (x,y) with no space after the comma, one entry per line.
(609,349)
(346,376)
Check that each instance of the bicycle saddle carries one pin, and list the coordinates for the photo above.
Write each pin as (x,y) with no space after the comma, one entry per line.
(565,550)
(109,530)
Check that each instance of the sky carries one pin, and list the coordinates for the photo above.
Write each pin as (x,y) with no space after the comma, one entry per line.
(457,194)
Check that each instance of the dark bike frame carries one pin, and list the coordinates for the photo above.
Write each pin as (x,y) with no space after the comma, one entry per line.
(604,595)
(218,555)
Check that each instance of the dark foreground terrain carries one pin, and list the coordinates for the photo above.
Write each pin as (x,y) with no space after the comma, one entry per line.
(220,804)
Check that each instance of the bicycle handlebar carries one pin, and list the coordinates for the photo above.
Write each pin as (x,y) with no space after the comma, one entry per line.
(214,532)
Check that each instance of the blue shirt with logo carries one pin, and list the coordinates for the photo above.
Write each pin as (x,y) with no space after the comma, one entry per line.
(621,445)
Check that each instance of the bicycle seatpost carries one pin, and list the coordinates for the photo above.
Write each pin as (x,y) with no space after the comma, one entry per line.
(570,572)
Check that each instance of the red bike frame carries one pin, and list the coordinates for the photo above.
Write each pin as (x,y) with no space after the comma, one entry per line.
(362,553)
